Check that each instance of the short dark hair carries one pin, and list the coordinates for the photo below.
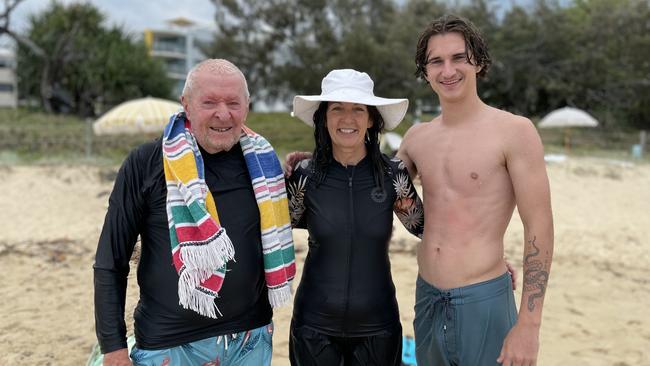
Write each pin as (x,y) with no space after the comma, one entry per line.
(476,49)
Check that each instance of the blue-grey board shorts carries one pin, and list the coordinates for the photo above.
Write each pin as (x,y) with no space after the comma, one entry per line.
(463,326)
(252,347)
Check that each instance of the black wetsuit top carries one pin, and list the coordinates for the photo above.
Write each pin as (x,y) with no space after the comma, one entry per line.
(137,207)
(346,287)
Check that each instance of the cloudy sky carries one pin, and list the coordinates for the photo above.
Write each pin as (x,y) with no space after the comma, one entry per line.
(136,15)
(133,15)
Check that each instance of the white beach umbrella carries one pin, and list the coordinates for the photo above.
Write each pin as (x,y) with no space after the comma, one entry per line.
(144,115)
(567,118)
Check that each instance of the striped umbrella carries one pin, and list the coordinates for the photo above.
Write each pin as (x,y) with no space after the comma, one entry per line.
(145,115)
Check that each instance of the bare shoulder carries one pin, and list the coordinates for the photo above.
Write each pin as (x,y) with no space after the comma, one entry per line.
(520,134)
(514,126)
(510,120)
(413,143)
(420,131)
(415,130)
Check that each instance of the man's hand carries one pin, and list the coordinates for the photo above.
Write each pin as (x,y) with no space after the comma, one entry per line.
(292,159)
(117,358)
(521,346)
(513,273)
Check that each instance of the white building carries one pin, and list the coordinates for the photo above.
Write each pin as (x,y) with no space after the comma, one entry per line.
(8,89)
(177,47)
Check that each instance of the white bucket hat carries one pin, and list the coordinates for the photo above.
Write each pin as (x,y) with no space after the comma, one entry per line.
(349,86)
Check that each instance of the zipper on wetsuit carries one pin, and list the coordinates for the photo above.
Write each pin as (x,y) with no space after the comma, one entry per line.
(350,172)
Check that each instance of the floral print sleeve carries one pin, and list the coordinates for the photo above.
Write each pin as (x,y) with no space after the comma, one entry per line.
(296,189)
(408,206)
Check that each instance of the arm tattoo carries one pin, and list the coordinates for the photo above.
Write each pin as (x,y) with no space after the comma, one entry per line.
(535,277)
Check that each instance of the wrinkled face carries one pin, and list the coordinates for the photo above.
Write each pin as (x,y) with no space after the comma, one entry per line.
(449,72)
(217,107)
(347,124)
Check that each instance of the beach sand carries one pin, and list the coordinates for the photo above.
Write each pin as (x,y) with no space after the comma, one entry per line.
(595,311)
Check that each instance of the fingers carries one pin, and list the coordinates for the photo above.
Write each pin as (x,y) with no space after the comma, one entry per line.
(289,163)
(506,361)
(287,170)
(292,159)
(513,273)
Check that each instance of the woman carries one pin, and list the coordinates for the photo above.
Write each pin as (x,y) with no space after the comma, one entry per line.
(345,311)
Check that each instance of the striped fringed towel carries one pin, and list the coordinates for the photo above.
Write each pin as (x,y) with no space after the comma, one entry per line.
(200,246)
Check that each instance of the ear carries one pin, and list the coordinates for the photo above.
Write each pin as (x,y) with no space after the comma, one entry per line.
(185,102)
(426,77)
(478,69)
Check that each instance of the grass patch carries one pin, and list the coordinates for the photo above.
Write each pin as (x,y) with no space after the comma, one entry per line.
(284,132)
(28,137)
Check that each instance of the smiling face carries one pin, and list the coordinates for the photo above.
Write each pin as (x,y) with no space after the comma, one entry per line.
(347,124)
(216,106)
(448,70)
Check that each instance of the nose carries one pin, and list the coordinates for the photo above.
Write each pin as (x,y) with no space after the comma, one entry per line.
(221,111)
(350,113)
(448,69)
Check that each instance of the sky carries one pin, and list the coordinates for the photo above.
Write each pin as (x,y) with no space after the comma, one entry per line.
(133,15)
(136,15)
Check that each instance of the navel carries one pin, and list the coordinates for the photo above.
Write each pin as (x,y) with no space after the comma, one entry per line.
(474,175)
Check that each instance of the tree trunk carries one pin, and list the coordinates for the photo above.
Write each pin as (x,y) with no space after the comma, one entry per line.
(46,88)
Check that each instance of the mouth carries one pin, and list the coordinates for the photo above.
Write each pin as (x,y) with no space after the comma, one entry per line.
(450,82)
(221,129)
(347,131)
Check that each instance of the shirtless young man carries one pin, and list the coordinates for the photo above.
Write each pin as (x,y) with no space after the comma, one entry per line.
(476,164)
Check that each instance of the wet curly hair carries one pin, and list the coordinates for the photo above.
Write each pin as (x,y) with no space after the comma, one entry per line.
(476,50)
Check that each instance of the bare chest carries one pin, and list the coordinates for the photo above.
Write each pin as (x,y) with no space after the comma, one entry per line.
(468,162)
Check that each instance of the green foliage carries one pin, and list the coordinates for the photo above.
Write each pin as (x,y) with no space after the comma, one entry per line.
(287,46)
(591,54)
(85,63)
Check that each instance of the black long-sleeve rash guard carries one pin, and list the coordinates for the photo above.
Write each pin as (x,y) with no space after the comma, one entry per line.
(137,207)
(346,287)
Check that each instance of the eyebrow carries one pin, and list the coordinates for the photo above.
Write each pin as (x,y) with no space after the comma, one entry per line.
(459,54)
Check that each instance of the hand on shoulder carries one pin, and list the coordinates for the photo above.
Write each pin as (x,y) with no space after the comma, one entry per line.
(292,159)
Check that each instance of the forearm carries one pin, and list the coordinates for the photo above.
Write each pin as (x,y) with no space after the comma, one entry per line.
(110,299)
(408,207)
(538,255)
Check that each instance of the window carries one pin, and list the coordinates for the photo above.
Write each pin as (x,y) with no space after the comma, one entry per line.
(6,87)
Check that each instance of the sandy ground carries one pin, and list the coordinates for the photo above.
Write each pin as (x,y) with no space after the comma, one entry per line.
(595,311)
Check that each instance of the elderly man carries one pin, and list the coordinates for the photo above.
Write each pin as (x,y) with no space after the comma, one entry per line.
(209,204)
(476,163)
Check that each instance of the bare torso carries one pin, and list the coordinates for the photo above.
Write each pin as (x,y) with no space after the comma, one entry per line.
(468,197)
